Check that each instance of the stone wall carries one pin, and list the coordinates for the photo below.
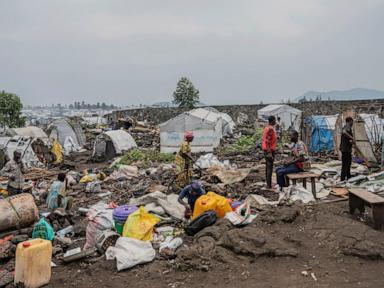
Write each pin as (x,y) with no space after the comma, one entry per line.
(159,115)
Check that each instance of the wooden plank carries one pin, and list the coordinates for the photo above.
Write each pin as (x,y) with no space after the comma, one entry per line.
(366,196)
(302,175)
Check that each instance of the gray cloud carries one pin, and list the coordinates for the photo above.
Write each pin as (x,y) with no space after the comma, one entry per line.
(234,51)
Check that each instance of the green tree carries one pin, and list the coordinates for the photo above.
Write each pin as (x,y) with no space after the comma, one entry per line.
(10,110)
(185,95)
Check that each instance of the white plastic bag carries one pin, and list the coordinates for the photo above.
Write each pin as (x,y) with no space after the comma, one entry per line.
(130,252)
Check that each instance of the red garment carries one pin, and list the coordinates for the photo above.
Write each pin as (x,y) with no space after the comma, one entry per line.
(269,133)
(299,165)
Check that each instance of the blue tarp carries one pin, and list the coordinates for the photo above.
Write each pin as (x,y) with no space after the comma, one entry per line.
(321,135)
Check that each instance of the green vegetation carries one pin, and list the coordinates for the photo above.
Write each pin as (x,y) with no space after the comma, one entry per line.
(185,95)
(146,156)
(10,110)
(243,144)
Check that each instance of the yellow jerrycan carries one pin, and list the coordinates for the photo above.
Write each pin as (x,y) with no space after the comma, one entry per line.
(33,263)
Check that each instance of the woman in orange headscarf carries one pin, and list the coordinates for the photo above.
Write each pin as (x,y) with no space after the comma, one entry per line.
(183,161)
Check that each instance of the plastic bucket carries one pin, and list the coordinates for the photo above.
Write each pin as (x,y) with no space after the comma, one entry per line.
(120,215)
(119,227)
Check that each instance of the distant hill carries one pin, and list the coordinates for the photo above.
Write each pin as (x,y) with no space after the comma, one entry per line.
(352,94)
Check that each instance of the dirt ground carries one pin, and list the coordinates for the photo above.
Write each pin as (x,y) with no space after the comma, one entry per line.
(282,248)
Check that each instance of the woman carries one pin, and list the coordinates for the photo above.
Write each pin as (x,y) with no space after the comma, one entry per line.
(183,161)
(295,164)
(57,195)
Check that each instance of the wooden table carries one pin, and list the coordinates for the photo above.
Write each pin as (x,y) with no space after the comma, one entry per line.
(304,176)
(359,197)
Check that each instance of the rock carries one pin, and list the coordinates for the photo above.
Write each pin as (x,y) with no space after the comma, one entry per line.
(216,231)
(281,214)
(365,249)
(19,238)
(6,278)
(79,228)
(57,250)
(65,241)
(251,241)
(7,250)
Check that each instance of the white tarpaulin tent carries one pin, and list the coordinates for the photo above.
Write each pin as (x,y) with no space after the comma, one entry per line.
(70,135)
(112,143)
(289,116)
(24,144)
(373,127)
(207,125)
(30,131)
(364,129)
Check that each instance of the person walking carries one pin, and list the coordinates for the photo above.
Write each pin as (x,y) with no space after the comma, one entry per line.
(268,144)
(184,161)
(347,141)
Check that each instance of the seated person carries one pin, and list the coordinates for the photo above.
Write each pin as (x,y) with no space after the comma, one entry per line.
(57,196)
(192,193)
(295,163)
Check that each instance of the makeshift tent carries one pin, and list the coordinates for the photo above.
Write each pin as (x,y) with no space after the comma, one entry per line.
(208,126)
(373,127)
(289,116)
(363,145)
(69,134)
(25,145)
(320,133)
(30,131)
(112,143)
(94,120)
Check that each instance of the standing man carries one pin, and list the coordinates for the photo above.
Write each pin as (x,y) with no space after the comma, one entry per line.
(14,170)
(268,145)
(346,143)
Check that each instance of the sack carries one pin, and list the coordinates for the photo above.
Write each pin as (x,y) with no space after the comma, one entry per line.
(43,230)
(140,225)
(129,252)
(211,201)
(99,219)
(206,219)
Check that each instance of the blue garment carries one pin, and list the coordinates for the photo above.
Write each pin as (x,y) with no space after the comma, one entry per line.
(187,193)
(282,171)
(57,188)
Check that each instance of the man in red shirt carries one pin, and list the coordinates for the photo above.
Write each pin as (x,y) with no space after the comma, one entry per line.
(268,145)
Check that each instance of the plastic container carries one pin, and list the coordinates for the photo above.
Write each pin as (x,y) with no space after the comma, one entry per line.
(33,263)
(120,215)
(211,201)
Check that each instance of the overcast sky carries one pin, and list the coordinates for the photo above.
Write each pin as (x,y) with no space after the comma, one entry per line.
(235,52)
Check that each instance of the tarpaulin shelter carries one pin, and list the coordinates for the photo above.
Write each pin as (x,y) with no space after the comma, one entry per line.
(319,133)
(30,131)
(373,127)
(69,134)
(290,117)
(208,126)
(364,147)
(25,145)
(32,141)
(112,143)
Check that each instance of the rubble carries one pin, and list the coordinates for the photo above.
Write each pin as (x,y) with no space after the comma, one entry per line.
(283,227)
